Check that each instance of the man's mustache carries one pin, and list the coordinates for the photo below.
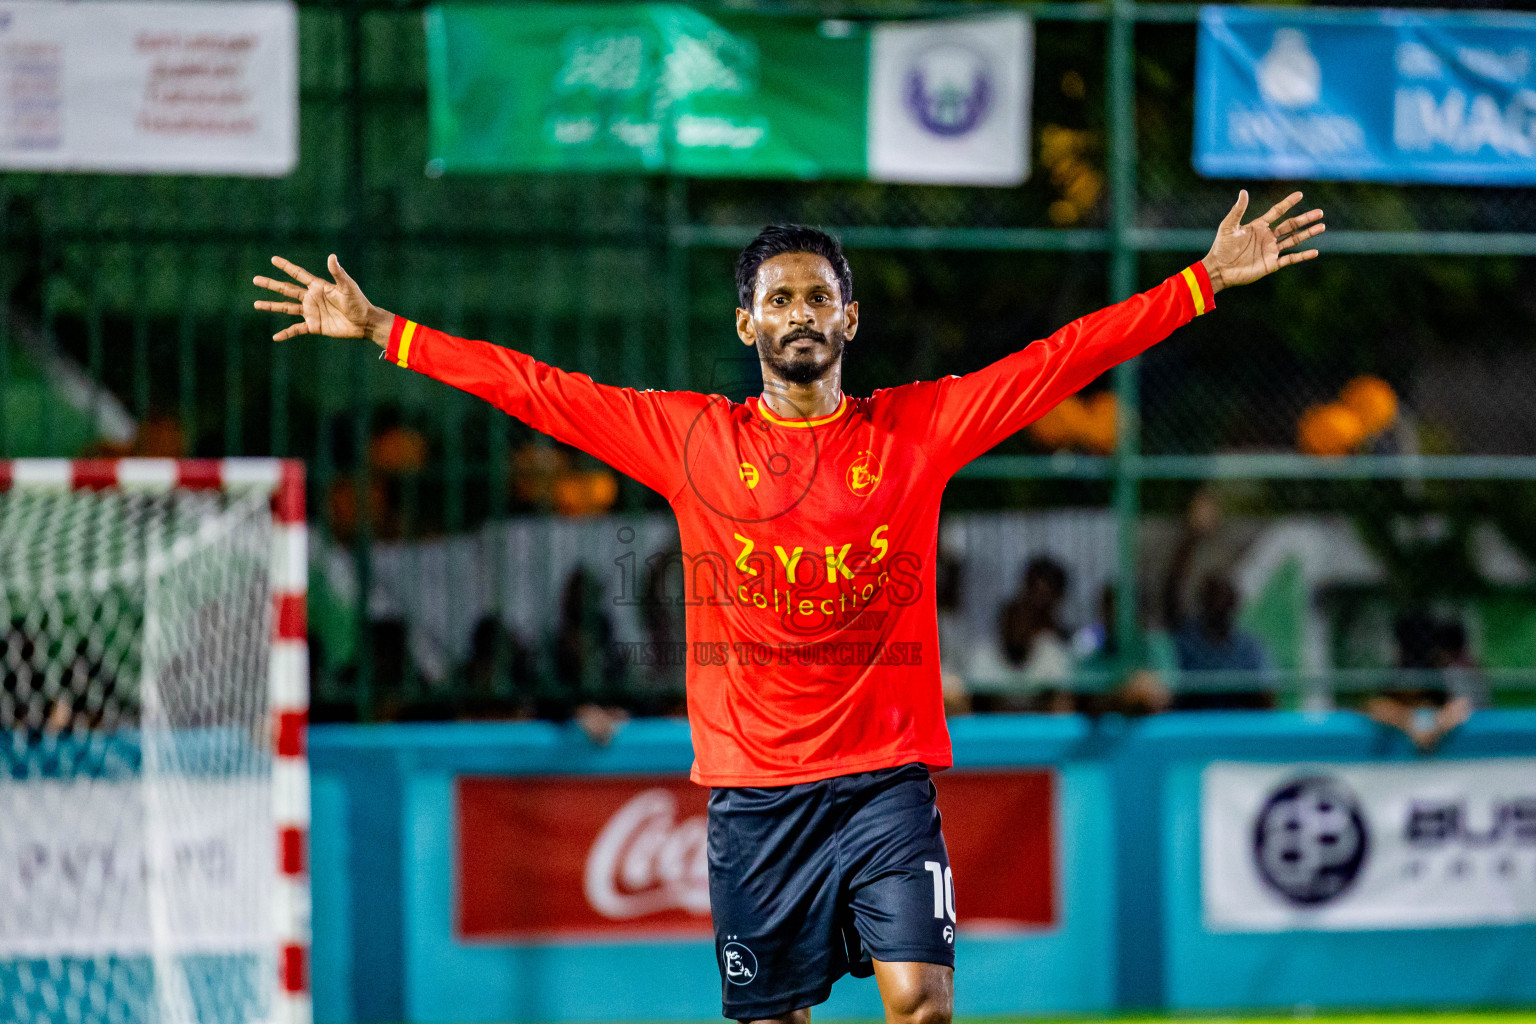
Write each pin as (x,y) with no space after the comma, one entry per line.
(802,332)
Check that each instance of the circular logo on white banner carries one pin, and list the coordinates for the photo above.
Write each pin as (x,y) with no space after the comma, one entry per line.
(1310,840)
(949,89)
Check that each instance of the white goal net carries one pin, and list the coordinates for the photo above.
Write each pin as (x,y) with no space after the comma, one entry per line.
(143,874)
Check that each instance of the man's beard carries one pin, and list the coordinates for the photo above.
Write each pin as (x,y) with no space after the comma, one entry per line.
(802,367)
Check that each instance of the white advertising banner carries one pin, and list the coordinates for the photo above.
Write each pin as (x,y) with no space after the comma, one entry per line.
(194,87)
(1354,846)
(949,100)
(75,870)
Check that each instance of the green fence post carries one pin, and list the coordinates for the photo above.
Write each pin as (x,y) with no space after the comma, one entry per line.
(497,468)
(679,325)
(141,396)
(235,332)
(454,415)
(278,362)
(186,378)
(362,422)
(1121,75)
(95,370)
(632,340)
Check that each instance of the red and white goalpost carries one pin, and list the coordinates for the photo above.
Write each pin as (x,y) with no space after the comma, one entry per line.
(154,782)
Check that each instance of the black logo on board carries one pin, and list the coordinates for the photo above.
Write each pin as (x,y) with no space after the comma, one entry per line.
(1310,840)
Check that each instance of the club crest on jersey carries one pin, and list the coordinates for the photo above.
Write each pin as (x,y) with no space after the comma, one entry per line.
(864,473)
(749,475)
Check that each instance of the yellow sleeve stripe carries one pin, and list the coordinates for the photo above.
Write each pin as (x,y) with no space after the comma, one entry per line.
(1188,275)
(403,351)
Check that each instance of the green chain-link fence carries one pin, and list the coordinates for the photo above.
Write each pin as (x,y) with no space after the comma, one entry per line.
(139,287)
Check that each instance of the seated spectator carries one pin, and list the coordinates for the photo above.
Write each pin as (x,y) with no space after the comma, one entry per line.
(498,676)
(1209,640)
(1032,647)
(584,672)
(1112,682)
(948,575)
(1445,688)
(658,684)
(394,683)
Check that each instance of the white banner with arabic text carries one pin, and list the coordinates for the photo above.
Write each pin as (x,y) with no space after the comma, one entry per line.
(183,87)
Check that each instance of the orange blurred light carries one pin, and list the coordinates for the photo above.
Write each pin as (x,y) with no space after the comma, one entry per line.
(1333,429)
(1373,400)
(1064,426)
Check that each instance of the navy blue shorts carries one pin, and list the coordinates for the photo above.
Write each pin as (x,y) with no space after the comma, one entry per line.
(809,882)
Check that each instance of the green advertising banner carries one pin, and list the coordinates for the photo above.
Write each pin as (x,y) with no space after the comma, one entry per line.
(664,88)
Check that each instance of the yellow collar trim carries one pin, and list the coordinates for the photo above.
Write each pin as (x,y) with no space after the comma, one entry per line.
(762,408)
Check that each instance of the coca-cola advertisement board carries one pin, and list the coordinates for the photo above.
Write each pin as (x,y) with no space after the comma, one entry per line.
(609,858)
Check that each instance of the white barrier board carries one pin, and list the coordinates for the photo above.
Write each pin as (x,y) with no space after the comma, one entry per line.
(76,869)
(1378,846)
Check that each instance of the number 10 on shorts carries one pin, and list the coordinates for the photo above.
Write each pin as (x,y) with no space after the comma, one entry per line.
(943,889)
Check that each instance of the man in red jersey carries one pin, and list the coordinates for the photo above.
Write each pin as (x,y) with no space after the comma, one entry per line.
(809,523)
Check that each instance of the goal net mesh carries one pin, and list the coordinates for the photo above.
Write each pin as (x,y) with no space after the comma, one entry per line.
(137,851)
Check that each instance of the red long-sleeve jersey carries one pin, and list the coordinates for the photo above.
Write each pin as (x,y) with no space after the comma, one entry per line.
(809,545)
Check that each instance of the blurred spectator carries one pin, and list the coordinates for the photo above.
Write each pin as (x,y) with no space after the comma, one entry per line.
(1097,640)
(1458,669)
(1210,639)
(388,654)
(585,676)
(498,676)
(1125,684)
(1034,640)
(658,687)
(947,575)
(1033,649)
(1445,688)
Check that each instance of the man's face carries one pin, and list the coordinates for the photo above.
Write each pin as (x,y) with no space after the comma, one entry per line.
(798,320)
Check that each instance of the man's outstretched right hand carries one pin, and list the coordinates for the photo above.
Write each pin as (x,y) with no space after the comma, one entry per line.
(336,308)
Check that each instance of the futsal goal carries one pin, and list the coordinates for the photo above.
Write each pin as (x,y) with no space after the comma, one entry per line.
(154,791)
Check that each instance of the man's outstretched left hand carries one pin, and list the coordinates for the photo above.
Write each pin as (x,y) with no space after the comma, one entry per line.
(1243,253)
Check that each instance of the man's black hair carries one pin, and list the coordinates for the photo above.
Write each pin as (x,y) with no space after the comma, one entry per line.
(778,239)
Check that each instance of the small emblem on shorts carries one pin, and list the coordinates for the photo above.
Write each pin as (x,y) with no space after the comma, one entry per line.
(740,964)
(949,935)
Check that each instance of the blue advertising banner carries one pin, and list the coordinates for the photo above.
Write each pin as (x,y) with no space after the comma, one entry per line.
(1366,95)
